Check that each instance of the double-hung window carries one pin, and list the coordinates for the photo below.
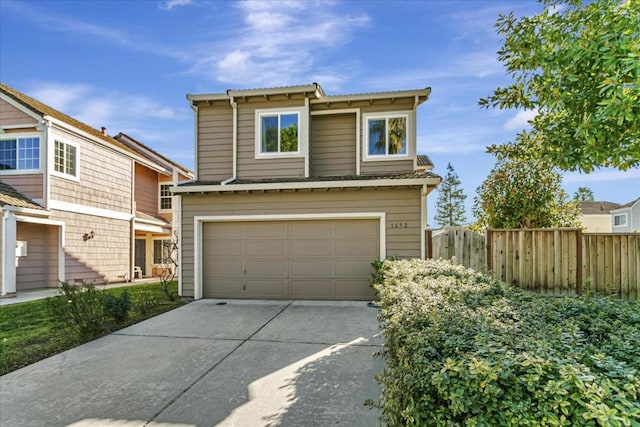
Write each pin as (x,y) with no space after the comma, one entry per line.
(20,154)
(620,220)
(280,132)
(65,159)
(165,197)
(386,135)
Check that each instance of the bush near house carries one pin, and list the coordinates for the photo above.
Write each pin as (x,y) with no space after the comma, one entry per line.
(463,349)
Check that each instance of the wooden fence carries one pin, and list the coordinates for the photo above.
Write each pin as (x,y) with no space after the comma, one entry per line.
(548,261)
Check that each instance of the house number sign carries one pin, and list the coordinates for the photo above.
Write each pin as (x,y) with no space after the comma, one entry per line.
(399,225)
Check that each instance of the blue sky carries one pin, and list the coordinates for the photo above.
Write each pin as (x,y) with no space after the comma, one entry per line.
(127,65)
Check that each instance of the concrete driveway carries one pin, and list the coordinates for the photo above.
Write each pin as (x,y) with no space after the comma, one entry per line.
(244,363)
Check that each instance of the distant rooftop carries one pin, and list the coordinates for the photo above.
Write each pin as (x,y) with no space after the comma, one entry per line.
(597,208)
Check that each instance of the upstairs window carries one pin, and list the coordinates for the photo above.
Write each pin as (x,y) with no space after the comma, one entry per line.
(620,220)
(21,154)
(165,197)
(281,132)
(386,135)
(65,159)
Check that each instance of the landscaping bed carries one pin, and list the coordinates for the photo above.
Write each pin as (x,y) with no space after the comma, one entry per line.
(30,332)
(463,349)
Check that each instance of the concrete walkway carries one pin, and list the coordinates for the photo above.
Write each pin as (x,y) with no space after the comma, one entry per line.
(243,363)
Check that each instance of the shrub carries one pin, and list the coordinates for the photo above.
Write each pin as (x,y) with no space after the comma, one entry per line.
(144,303)
(117,307)
(464,349)
(81,308)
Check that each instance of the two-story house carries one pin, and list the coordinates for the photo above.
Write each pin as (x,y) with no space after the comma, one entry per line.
(68,198)
(595,217)
(297,192)
(626,218)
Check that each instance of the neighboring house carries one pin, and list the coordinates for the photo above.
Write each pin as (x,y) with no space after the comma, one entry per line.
(68,198)
(596,217)
(626,218)
(297,192)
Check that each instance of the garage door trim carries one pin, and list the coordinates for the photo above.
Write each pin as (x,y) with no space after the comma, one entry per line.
(200,220)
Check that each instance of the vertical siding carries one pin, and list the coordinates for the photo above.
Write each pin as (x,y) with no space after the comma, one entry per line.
(11,116)
(102,258)
(105,178)
(333,145)
(31,185)
(36,269)
(402,206)
(146,189)
(248,166)
(215,142)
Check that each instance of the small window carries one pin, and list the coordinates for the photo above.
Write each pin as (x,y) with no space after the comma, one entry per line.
(620,220)
(386,135)
(278,133)
(165,197)
(162,251)
(20,154)
(65,159)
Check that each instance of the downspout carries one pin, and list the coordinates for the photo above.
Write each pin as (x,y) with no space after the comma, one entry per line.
(423,219)
(234,142)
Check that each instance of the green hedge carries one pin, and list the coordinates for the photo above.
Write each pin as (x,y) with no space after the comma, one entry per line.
(464,349)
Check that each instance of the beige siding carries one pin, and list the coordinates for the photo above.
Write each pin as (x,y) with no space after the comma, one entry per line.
(386,167)
(30,185)
(39,268)
(333,145)
(402,206)
(248,166)
(11,116)
(101,258)
(596,223)
(105,178)
(146,189)
(1,262)
(215,142)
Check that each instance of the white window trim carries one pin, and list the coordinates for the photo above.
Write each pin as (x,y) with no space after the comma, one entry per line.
(386,115)
(53,170)
(16,136)
(303,134)
(622,214)
(160,184)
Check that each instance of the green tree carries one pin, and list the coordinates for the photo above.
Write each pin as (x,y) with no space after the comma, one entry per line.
(397,134)
(523,194)
(583,194)
(289,138)
(578,65)
(450,205)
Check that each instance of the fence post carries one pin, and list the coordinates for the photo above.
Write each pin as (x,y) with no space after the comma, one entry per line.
(579,266)
(487,246)
(428,241)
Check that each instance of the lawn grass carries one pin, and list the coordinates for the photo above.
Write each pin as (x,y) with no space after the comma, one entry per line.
(29,333)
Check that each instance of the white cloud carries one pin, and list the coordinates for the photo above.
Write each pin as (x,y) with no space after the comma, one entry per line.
(609,175)
(521,119)
(170,4)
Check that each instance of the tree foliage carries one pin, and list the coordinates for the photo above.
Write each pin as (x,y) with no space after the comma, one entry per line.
(578,65)
(524,194)
(450,205)
(583,194)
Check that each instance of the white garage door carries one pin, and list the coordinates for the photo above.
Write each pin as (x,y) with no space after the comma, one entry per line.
(299,259)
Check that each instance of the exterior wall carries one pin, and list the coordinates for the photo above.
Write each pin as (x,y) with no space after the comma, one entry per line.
(248,166)
(402,206)
(633,220)
(40,267)
(101,258)
(99,186)
(1,249)
(333,145)
(215,142)
(146,189)
(11,116)
(596,223)
(31,185)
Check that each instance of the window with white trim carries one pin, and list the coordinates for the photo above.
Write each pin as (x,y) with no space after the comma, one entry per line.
(620,220)
(65,158)
(386,135)
(165,197)
(20,153)
(162,249)
(279,132)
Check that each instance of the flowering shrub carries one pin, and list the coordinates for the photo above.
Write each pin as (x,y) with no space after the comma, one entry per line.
(463,349)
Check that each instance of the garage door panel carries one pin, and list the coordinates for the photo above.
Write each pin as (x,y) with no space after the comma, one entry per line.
(310,248)
(347,268)
(364,249)
(357,229)
(222,231)
(223,267)
(267,268)
(222,247)
(266,248)
(354,289)
(310,229)
(265,288)
(259,230)
(222,287)
(311,268)
(317,288)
